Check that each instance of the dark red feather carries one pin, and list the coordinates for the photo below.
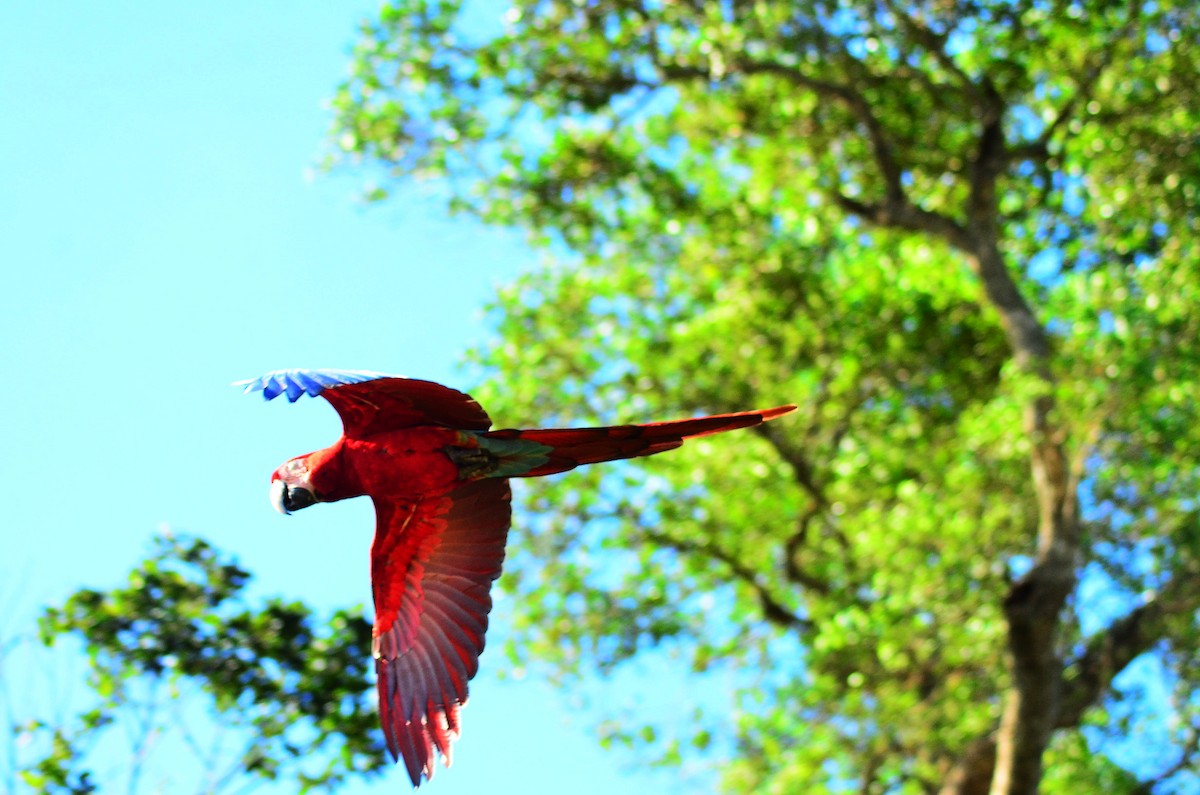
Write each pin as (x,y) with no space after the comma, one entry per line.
(388,404)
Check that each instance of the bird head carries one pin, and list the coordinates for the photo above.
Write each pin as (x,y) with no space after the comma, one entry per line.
(291,488)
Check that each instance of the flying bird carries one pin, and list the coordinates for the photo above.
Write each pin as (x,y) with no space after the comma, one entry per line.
(425,455)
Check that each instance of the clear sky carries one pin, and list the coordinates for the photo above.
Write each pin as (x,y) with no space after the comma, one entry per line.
(162,233)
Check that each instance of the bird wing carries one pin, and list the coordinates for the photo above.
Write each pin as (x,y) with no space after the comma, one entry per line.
(432,566)
(371,402)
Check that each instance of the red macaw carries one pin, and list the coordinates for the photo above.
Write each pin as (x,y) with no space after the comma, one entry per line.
(438,476)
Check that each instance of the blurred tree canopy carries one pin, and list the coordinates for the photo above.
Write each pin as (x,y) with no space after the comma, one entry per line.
(963,238)
(181,658)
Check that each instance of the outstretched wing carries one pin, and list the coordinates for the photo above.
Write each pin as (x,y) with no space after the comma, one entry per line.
(372,402)
(432,566)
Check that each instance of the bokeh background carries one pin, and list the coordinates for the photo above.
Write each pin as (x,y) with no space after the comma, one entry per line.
(962,237)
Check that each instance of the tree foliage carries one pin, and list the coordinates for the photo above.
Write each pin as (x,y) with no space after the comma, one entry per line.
(258,690)
(963,237)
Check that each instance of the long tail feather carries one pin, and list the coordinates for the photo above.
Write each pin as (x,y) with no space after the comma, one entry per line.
(572,447)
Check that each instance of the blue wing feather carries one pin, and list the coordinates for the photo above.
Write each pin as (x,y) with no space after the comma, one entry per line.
(294,389)
(365,407)
(295,383)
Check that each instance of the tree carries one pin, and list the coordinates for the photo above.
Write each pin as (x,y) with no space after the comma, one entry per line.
(252,690)
(963,237)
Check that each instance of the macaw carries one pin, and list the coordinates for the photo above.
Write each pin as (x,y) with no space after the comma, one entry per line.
(438,476)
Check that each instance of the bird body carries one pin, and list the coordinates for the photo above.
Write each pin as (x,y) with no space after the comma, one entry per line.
(407,463)
(438,478)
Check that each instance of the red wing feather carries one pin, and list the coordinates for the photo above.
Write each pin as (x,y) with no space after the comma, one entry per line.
(387,404)
(432,567)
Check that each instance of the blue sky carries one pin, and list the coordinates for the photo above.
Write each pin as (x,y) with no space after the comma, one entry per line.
(162,233)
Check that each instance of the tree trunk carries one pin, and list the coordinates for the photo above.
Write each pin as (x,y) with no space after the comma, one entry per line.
(1034,603)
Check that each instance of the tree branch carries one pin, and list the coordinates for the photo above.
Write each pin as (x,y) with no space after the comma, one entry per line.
(1086,680)
(773,610)
(973,773)
(1038,150)
(801,467)
(989,162)
(843,93)
(1107,653)
(1186,761)
(807,479)
(902,214)
(791,551)
(935,44)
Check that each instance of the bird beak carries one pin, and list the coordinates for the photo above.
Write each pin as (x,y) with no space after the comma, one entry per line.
(289,498)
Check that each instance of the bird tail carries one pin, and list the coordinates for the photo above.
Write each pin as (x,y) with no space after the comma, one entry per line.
(561,449)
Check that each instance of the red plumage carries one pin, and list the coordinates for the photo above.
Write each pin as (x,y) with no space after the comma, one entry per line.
(439,481)
(574,447)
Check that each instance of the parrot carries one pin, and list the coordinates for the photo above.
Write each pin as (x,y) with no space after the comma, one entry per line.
(439,478)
